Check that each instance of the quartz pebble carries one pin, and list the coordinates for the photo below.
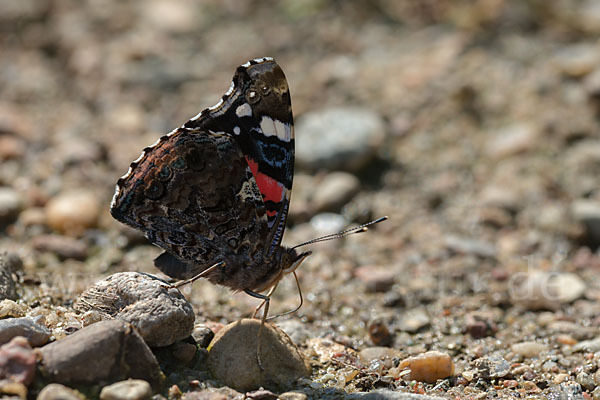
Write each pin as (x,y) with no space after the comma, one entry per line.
(429,367)
(529,349)
(73,212)
(160,312)
(237,366)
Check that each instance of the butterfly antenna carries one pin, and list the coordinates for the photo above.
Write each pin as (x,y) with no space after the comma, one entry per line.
(339,235)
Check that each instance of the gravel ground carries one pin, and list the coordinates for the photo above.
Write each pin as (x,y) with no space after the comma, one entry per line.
(473,125)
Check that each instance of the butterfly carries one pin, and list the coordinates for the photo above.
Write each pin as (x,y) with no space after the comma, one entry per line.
(214,194)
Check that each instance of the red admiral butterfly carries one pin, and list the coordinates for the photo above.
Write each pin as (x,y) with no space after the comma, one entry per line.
(215,193)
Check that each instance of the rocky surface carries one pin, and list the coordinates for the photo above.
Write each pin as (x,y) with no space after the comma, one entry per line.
(474,125)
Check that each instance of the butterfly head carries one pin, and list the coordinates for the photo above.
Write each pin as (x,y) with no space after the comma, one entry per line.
(291,260)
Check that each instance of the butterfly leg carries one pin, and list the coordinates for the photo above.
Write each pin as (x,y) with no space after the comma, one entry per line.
(295,309)
(262,303)
(266,300)
(200,275)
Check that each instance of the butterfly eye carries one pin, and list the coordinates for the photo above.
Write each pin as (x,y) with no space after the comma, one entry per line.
(265,90)
(252,96)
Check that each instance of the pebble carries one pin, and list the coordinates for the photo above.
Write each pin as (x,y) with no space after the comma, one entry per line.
(414,320)
(36,334)
(131,389)
(203,335)
(237,367)
(529,349)
(589,16)
(295,329)
(353,138)
(470,246)
(378,353)
(183,352)
(11,147)
(261,394)
(12,390)
(379,333)
(325,349)
(117,350)
(586,381)
(73,212)
(335,190)
(429,367)
(512,140)
(587,212)
(376,279)
(8,286)
(386,394)
(293,396)
(589,346)
(17,361)
(545,290)
(11,204)
(161,314)
(56,391)
(577,60)
(64,247)
(9,308)
(492,367)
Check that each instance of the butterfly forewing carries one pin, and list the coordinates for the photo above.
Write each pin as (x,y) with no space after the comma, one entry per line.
(218,188)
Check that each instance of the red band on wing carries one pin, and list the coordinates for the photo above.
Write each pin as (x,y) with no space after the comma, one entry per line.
(270,188)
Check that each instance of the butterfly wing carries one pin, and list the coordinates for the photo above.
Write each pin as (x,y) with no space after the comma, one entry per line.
(257,112)
(193,194)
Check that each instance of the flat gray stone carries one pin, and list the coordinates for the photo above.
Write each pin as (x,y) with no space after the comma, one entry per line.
(338,138)
(56,391)
(131,389)
(160,313)
(36,334)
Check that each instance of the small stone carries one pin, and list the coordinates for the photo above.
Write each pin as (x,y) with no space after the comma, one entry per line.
(335,190)
(529,349)
(104,352)
(512,140)
(36,335)
(11,204)
(492,367)
(295,329)
(376,279)
(11,309)
(64,247)
(131,389)
(203,335)
(587,212)
(545,290)
(261,394)
(293,396)
(470,246)
(237,366)
(596,393)
(183,352)
(479,324)
(326,349)
(161,314)
(353,138)
(73,212)
(589,346)
(379,333)
(12,390)
(378,353)
(429,367)
(586,381)
(8,286)
(577,60)
(56,391)
(414,320)
(17,361)
(11,147)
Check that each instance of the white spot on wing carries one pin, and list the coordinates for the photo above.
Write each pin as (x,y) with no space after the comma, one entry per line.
(236,130)
(244,110)
(274,127)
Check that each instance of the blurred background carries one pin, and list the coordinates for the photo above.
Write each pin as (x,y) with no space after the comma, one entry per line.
(473,124)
